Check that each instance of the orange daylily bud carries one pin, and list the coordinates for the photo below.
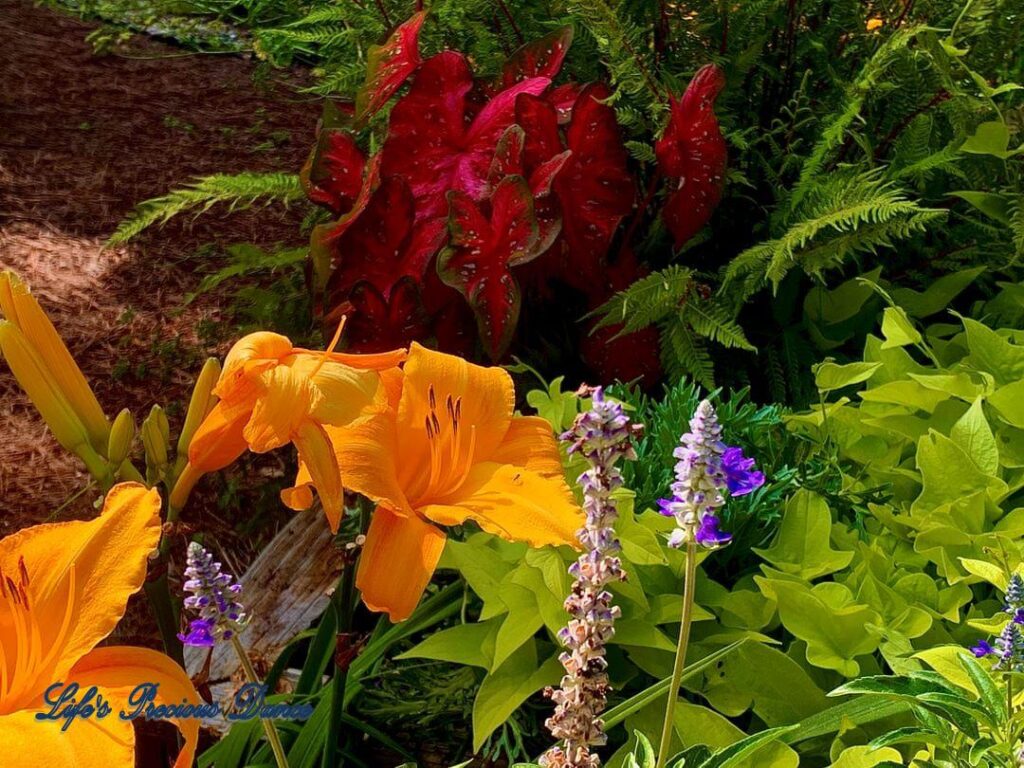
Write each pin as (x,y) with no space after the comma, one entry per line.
(48,398)
(121,436)
(200,405)
(21,309)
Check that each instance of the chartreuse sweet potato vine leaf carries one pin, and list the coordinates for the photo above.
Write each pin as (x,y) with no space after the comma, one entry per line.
(826,617)
(507,687)
(802,546)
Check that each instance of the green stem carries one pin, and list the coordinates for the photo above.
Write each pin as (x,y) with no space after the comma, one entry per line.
(1009,702)
(343,603)
(268,726)
(680,661)
(159,593)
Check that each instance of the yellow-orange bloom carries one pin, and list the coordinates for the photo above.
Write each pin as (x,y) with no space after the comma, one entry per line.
(271,393)
(448,450)
(46,370)
(874,24)
(63,588)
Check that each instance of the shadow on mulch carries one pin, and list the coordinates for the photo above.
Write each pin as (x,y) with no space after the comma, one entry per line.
(85,138)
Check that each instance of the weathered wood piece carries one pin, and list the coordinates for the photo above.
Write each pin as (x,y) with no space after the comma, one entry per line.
(285,590)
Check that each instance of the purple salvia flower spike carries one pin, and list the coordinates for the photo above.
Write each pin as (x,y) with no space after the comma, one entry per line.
(707,469)
(214,600)
(602,435)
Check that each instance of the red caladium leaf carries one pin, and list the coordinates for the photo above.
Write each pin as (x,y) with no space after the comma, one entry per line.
(595,189)
(633,357)
(378,323)
(333,174)
(482,253)
(563,98)
(389,65)
(540,58)
(434,145)
(509,160)
(324,236)
(692,152)
(384,244)
(542,141)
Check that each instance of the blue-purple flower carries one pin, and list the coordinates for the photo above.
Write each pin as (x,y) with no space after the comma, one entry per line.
(214,599)
(1008,647)
(983,648)
(706,469)
(741,477)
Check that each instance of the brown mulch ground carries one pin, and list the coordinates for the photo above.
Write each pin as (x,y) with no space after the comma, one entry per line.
(83,138)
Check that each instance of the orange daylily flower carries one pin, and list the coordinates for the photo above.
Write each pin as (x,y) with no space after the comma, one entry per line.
(448,450)
(63,588)
(271,393)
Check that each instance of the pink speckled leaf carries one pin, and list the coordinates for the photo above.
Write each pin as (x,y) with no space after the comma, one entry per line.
(431,142)
(482,252)
(692,154)
(389,65)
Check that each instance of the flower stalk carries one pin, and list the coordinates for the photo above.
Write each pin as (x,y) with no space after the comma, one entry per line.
(681,647)
(273,738)
(706,471)
(602,435)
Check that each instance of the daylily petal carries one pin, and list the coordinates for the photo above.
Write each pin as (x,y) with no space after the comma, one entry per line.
(300,495)
(376,361)
(366,456)
(514,503)
(348,393)
(92,743)
(19,306)
(288,399)
(74,581)
(239,382)
(530,443)
(118,670)
(398,559)
(218,441)
(484,399)
(317,456)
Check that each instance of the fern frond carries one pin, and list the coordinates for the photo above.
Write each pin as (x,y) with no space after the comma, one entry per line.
(844,216)
(648,300)
(1016,211)
(684,353)
(238,192)
(714,321)
(625,51)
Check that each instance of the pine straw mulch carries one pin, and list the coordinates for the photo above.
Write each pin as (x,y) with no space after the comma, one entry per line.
(83,139)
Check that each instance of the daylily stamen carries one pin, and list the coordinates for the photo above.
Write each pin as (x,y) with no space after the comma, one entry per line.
(466,465)
(330,347)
